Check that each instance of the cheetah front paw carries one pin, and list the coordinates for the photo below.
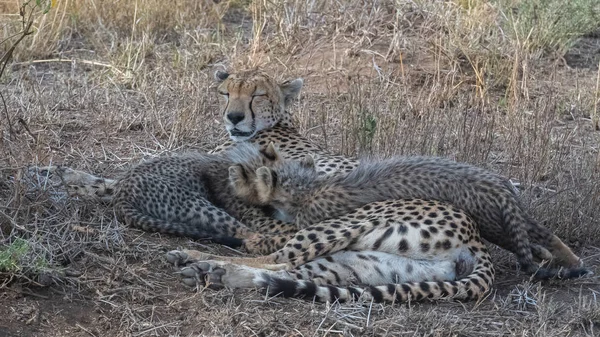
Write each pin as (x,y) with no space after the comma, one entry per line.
(219,274)
(76,183)
(203,274)
(52,171)
(65,175)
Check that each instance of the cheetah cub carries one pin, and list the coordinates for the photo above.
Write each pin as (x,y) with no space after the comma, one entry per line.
(302,196)
(189,194)
(185,194)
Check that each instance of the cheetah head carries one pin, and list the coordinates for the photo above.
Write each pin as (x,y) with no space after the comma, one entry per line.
(253,101)
(242,175)
(283,186)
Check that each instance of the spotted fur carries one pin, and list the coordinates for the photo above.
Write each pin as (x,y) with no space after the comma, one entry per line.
(301,195)
(268,119)
(396,250)
(188,194)
(254,109)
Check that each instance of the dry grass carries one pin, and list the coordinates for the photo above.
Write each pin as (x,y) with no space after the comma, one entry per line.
(506,84)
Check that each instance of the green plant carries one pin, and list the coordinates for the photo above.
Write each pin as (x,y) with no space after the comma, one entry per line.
(366,131)
(12,255)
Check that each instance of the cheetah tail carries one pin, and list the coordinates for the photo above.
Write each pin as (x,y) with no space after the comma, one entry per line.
(471,287)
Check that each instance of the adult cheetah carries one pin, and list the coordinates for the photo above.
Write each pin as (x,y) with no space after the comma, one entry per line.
(326,164)
(395,250)
(302,196)
(255,110)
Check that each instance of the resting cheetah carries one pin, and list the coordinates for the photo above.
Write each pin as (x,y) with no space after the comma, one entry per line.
(293,146)
(256,110)
(300,195)
(188,194)
(400,249)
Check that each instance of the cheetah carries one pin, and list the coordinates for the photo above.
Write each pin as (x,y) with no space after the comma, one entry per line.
(385,251)
(293,146)
(255,111)
(300,195)
(188,194)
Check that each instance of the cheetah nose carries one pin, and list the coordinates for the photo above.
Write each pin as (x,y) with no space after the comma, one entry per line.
(235,117)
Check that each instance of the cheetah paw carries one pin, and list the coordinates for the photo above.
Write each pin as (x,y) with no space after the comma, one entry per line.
(50,171)
(203,274)
(218,274)
(177,257)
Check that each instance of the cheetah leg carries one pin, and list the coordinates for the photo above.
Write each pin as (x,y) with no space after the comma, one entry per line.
(383,235)
(255,243)
(256,220)
(271,235)
(82,184)
(218,274)
(301,248)
(341,269)
(297,251)
(262,244)
(559,253)
(540,253)
(182,257)
(553,248)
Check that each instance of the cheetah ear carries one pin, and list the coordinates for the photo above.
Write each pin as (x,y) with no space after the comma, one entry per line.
(308,162)
(271,152)
(291,89)
(221,75)
(265,184)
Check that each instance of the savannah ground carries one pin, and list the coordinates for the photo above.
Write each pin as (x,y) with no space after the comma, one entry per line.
(511,85)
